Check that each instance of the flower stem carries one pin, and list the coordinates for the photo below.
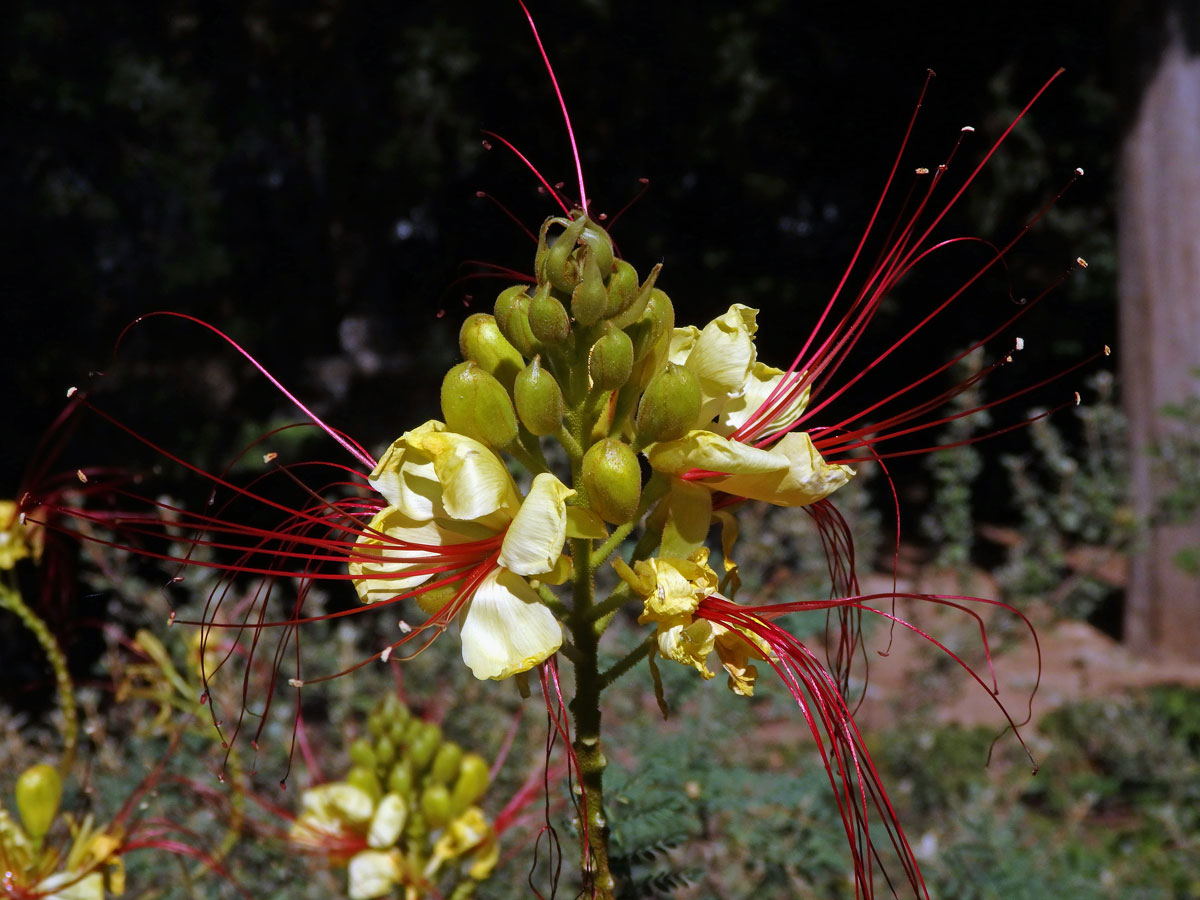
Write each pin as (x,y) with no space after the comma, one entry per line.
(10,599)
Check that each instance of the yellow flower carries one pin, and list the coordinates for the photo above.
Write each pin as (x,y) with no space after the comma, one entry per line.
(673,590)
(457,531)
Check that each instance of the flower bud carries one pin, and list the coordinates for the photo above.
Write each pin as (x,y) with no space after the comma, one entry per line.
(558,264)
(366,781)
(512,318)
(477,405)
(589,300)
(481,342)
(613,480)
(423,745)
(400,778)
(445,763)
(39,791)
(657,319)
(548,319)
(599,248)
(622,288)
(435,805)
(363,754)
(385,751)
(611,359)
(670,405)
(539,399)
(634,310)
(471,784)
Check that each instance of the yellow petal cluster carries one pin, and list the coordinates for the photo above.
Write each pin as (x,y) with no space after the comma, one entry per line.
(445,490)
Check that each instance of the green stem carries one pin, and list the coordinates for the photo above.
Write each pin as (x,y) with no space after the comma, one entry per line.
(10,599)
(605,550)
(621,595)
(631,659)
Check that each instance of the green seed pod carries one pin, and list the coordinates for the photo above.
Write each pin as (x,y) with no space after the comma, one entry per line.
(385,751)
(400,779)
(423,745)
(539,399)
(548,319)
(611,359)
(589,299)
(613,480)
(377,724)
(481,342)
(366,781)
(477,405)
(435,805)
(622,288)
(472,783)
(670,405)
(39,791)
(558,263)
(600,248)
(363,754)
(512,318)
(445,763)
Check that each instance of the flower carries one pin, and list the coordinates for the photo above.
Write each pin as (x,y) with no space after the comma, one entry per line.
(450,492)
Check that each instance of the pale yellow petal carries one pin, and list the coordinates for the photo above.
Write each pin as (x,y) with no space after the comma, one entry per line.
(709,452)
(583,523)
(405,475)
(688,644)
(69,886)
(387,823)
(688,510)
(505,629)
(534,540)
(763,380)
(373,873)
(809,478)
(724,353)
(681,343)
(475,483)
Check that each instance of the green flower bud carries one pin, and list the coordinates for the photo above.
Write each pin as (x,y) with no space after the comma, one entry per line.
(423,745)
(657,319)
(589,300)
(472,783)
(634,311)
(670,405)
(539,399)
(481,342)
(622,288)
(613,480)
(363,754)
(39,791)
(512,318)
(385,751)
(599,248)
(611,359)
(445,763)
(435,805)
(558,265)
(477,405)
(366,781)
(400,779)
(548,319)
(377,724)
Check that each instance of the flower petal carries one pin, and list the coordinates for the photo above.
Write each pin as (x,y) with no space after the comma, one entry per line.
(373,873)
(759,385)
(406,478)
(724,353)
(506,629)
(475,483)
(534,540)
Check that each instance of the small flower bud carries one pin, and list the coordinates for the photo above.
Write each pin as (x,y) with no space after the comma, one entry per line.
(512,318)
(613,480)
(400,778)
(363,754)
(657,319)
(39,791)
(423,745)
(611,360)
(558,265)
(477,405)
(589,300)
(445,763)
(385,751)
(539,399)
(548,319)
(435,805)
(622,288)
(481,342)
(366,781)
(634,311)
(471,784)
(670,405)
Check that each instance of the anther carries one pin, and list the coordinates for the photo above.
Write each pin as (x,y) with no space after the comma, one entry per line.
(1081,262)
(922,170)
(386,654)
(968,129)
(1107,350)
(72,391)
(1077,398)
(270,457)
(405,628)
(81,476)
(1078,170)
(1020,343)
(296,682)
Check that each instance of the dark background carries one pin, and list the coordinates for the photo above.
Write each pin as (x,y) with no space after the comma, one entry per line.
(304,177)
